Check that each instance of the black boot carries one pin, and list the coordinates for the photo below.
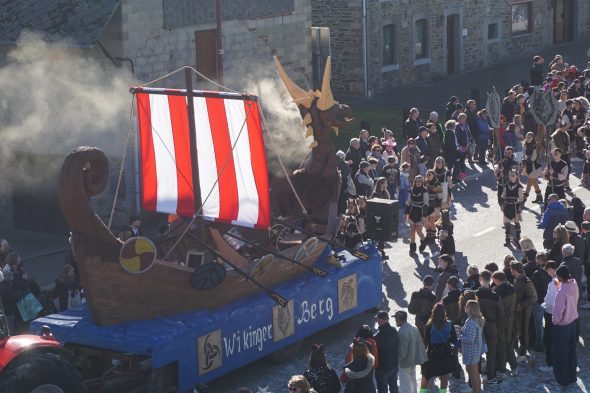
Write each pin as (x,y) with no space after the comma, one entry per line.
(412,248)
(526,196)
(539,198)
(517,235)
(430,235)
(507,233)
(422,245)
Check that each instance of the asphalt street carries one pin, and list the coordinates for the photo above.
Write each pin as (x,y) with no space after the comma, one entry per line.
(479,239)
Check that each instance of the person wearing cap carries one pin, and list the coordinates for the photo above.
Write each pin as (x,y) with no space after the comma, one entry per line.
(388,349)
(411,154)
(556,171)
(581,249)
(565,314)
(363,181)
(411,352)
(526,297)
(507,337)
(492,310)
(555,214)
(537,71)
(574,264)
(421,303)
(412,124)
(464,140)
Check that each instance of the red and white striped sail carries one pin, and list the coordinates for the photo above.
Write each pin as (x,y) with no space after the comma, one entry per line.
(233,183)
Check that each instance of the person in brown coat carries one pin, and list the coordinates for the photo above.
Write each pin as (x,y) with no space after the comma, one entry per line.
(421,304)
(492,309)
(505,326)
(526,297)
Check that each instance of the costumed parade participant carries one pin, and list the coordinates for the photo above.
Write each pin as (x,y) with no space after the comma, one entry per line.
(513,198)
(445,178)
(555,173)
(416,207)
(502,171)
(531,167)
(434,202)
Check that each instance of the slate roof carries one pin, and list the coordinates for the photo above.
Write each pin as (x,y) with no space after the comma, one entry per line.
(81,22)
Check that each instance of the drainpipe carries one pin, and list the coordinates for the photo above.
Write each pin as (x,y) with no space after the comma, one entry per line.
(365,50)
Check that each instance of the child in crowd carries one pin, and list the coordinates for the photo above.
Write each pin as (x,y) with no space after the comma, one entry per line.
(391,173)
(447,242)
(404,185)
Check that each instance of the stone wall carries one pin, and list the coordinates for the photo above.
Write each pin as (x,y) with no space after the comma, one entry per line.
(248,44)
(345,20)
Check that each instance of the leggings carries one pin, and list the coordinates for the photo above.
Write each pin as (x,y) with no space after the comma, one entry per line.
(532,183)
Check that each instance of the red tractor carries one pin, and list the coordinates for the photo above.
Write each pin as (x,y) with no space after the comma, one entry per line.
(35,364)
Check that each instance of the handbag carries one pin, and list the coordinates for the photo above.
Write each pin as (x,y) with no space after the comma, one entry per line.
(28,307)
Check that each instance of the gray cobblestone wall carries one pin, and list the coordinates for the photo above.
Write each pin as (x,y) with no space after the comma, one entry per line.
(248,43)
(345,20)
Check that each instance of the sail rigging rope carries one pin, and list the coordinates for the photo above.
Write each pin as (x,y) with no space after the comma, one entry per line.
(122,161)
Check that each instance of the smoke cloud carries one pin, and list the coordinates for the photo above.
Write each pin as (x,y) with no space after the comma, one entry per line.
(56,98)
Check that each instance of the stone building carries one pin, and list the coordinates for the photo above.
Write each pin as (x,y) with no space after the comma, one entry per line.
(380,44)
(147,39)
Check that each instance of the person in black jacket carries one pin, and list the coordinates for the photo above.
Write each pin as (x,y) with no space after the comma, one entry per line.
(450,145)
(388,345)
(537,71)
(412,124)
(540,280)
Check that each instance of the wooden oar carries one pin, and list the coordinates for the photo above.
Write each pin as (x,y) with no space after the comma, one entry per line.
(273,295)
(315,270)
(356,253)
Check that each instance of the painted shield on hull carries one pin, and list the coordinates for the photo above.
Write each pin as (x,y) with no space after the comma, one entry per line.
(138,255)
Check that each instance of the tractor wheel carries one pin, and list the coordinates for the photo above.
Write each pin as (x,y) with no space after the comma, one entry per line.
(45,373)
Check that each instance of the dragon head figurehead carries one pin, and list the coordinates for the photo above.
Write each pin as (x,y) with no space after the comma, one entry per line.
(321,115)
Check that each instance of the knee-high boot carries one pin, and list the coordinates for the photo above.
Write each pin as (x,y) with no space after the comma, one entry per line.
(517,234)
(507,233)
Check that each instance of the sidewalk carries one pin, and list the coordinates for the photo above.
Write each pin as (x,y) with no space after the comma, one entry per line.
(435,94)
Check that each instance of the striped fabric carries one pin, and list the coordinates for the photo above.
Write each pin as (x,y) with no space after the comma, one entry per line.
(222,123)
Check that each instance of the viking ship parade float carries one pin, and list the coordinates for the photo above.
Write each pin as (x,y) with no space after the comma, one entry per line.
(249,265)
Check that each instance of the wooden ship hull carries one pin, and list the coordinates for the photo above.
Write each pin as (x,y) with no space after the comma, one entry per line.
(114,295)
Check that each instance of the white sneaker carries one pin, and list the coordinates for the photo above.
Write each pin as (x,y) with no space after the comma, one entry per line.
(546,369)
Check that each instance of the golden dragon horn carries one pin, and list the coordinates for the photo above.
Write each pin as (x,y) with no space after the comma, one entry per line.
(300,96)
(326,100)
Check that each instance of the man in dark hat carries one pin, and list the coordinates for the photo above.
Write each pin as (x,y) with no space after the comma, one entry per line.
(388,345)
(565,315)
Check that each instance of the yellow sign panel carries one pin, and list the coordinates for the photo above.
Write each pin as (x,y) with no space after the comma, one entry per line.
(347,293)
